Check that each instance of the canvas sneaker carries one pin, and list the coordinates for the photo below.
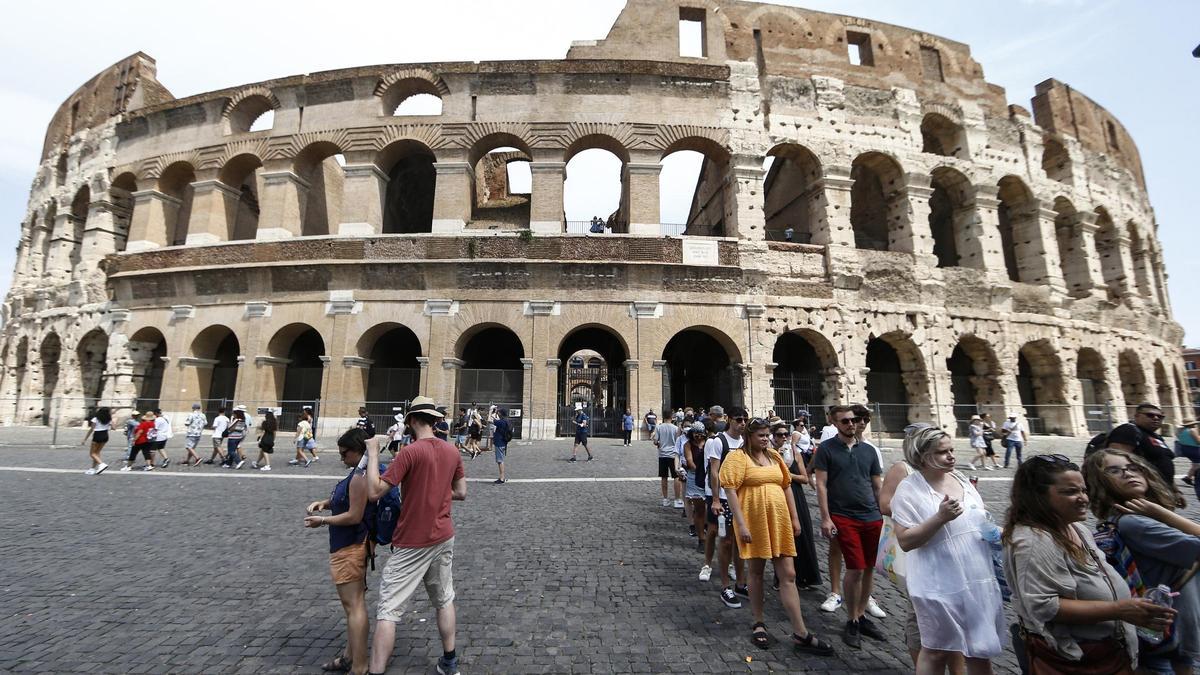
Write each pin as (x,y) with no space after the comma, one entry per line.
(264,468)
(239,464)
(100,469)
(875,610)
(831,603)
(293,462)
(127,468)
(666,502)
(705,573)
(90,472)
(679,503)
(445,667)
(729,598)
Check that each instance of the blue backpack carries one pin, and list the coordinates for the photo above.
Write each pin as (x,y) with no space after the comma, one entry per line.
(387,514)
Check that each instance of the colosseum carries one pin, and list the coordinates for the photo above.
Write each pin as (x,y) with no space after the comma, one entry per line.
(871,221)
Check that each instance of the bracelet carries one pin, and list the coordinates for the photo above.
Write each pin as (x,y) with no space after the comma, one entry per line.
(322,520)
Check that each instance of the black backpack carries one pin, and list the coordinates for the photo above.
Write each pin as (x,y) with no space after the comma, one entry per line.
(1100,441)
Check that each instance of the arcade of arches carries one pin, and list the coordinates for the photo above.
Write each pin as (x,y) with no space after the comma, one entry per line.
(546,369)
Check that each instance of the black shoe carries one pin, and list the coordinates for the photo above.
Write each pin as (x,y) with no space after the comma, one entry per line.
(691,530)
(742,590)
(208,461)
(590,458)
(851,635)
(498,481)
(868,628)
(572,460)
(700,545)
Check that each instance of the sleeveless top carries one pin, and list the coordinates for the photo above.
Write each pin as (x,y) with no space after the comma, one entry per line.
(341,536)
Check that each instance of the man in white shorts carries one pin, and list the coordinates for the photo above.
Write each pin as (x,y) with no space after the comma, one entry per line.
(430,474)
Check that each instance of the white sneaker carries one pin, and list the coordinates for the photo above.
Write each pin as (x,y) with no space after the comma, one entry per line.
(972,466)
(831,603)
(732,573)
(265,468)
(254,465)
(239,464)
(874,609)
(100,469)
(705,573)
(666,502)
(293,462)
(90,472)
(679,503)
(127,468)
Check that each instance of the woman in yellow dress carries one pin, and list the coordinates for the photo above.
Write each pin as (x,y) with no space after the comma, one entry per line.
(758,486)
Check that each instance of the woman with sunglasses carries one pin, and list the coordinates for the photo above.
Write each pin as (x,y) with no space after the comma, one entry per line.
(765,520)
(350,548)
(808,569)
(1075,611)
(1127,491)
(939,518)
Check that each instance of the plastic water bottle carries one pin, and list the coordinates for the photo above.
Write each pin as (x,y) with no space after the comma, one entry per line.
(990,532)
(1160,595)
(721,526)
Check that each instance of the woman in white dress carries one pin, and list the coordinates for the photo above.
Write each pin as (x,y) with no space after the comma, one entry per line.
(940,521)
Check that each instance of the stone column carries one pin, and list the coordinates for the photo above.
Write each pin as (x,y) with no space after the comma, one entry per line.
(152,210)
(987,206)
(451,367)
(21,269)
(423,366)
(529,425)
(546,205)
(62,246)
(344,389)
(362,200)
(36,264)
(908,220)
(452,196)
(743,192)
(214,208)
(644,198)
(254,382)
(550,397)
(1044,262)
(831,224)
(1123,285)
(284,197)
(99,237)
(442,375)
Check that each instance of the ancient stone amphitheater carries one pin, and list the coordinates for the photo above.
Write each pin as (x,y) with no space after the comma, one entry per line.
(872,221)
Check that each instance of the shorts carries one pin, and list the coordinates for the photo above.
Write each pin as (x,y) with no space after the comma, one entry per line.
(268,448)
(1191,452)
(159,445)
(216,442)
(408,567)
(859,541)
(581,439)
(393,447)
(310,444)
(461,439)
(145,449)
(666,467)
(476,434)
(100,437)
(190,442)
(349,563)
(500,452)
(693,491)
(990,452)
(712,519)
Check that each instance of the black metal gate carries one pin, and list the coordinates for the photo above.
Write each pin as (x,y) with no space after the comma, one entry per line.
(598,391)
(797,392)
(486,387)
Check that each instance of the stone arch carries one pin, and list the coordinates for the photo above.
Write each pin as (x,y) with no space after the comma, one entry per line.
(392,372)
(1141,262)
(243,173)
(1041,389)
(217,351)
(952,219)
(600,384)
(298,351)
(1017,217)
(806,372)
(319,166)
(493,369)
(794,196)
(49,354)
(941,136)
(120,195)
(1108,247)
(1056,161)
(1072,250)
(974,379)
(492,199)
(175,181)
(49,215)
(1165,393)
(401,86)
(148,352)
(244,109)
(80,205)
(708,200)
(92,356)
(702,367)
(897,381)
(594,162)
(412,181)
(20,372)
(877,201)
(1134,386)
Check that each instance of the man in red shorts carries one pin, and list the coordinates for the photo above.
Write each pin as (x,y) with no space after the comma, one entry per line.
(848,478)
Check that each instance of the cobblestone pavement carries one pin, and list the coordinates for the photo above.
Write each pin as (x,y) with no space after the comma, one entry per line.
(558,571)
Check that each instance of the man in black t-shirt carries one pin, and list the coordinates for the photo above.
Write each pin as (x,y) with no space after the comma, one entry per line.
(1142,439)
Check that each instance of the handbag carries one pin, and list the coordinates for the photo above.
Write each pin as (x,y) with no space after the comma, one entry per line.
(891,559)
(1100,657)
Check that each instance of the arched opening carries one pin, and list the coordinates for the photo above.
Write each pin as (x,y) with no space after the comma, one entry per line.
(1133,381)
(120,194)
(217,380)
(1141,262)
(148,352)
(951,216)
(1016,209)
(60,170)
(1056,162)
(1071,250)
(800,382)
(691,187)
(320,166)
(297,351)
(592,378)
(700,371)
(92,354)
(793,194)
(394,374)
(47,237)
(1166,397)
(176,182)
(497,200)
(412,97)
(1109,250)
(22,370)
(973,385)
(493,372)
(79,215)
(412,179)
(895,381)
(244,174)
(1040,388)
(596,188)
(49,353)
(940,136)
(1095,395)
(253,113)
(876,200)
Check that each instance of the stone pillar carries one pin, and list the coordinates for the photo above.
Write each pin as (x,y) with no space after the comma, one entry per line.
(362,200)
(99,237)
(1083,267)
(36,263)
(908,220)
(344,389)
(987,206)
(284,197)
(152,210)
(1125,285)
(546,205)
(253,383)
(452,196)
(423,366)
(62,246)
(831,225)
(549,394)
(21,269)
(214,209)
(442,375)
(451,366)
(644,198)
(528,422)
(1160,282)
(1044,265)
(743,190)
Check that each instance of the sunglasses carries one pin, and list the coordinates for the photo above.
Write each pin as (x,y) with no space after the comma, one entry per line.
(779,433)
(1057,460)
(849,420)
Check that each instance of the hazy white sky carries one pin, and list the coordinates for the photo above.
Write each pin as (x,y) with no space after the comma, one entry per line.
(1134,58)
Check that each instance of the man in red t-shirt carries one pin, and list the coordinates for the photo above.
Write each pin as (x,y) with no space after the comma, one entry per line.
(430,474)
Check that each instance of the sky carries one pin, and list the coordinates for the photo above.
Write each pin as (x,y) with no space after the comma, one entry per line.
(1133,58)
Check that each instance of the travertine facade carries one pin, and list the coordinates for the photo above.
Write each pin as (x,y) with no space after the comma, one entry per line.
(887,229)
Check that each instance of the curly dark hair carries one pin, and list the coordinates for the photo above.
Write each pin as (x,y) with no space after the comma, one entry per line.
(1030,505)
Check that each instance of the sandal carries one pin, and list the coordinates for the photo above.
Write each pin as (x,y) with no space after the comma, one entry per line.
(339,665)
(812,644)
(759,636)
